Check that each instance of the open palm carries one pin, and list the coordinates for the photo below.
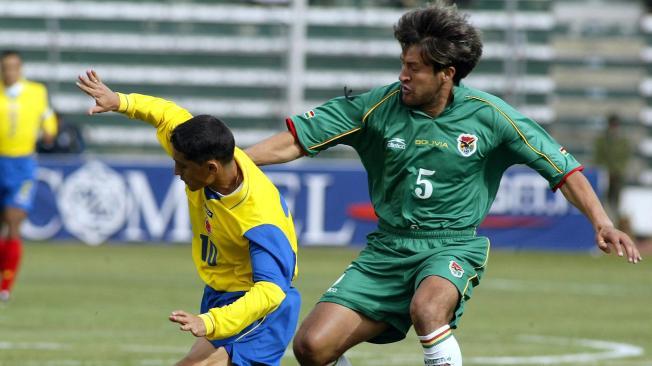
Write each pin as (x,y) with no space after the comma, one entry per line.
(105,99)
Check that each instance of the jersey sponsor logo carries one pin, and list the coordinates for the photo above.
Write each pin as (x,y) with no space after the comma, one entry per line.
(207,225)
(309,114)
(209,213)
(396,143)
(431,143)
(563,151)
(456,269)
(467,144)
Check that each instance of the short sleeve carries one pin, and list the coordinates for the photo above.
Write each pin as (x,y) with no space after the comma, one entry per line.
(532,145)
(328,124)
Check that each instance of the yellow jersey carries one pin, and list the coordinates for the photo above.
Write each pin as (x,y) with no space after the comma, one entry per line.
(226,228)
(24,111)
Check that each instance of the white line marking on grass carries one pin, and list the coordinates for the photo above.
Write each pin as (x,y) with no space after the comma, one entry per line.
(610,351)
(33,345)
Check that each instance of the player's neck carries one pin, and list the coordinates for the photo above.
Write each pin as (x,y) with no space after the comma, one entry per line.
(443,98)
(229,181)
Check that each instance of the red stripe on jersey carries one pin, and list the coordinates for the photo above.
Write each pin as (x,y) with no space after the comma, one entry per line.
(293,130)
(563,180)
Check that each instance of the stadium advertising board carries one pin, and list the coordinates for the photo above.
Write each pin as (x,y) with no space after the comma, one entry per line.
(141,201)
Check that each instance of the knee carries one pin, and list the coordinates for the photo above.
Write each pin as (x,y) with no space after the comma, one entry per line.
(310,350)
(432,311)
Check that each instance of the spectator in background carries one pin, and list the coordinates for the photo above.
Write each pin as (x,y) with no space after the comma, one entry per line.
(24,113)
(69,140)
(612,153)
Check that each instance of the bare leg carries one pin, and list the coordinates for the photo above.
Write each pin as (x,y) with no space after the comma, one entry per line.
(329,331)
(432,308)
(203,353)
(13,217)
(433,304)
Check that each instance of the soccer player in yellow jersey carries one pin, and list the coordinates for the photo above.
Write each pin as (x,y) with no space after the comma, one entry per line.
(244,245)
(24,112)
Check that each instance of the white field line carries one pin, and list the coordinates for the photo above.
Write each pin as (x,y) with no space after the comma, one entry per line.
(41,346)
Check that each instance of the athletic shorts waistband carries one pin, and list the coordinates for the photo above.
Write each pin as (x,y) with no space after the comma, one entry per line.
(415,232)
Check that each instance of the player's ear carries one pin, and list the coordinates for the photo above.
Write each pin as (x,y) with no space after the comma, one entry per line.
(213,166)
(448,73)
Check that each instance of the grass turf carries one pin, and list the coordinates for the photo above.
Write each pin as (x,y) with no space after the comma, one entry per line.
(76,305)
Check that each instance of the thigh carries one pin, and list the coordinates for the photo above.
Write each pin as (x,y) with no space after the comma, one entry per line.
(460,262)
(203,353)
(338,328)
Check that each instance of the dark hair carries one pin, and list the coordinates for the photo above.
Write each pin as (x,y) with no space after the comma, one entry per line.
(7,53)
(203,138)
(445,36)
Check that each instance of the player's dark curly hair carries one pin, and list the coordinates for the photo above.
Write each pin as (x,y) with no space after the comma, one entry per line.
(203,138)
(445,36)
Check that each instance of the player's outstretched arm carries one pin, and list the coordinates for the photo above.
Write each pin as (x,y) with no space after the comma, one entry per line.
(579,192)
(105,99)
(279,148)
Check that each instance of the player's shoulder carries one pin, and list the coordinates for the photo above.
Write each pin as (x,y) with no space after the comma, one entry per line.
(482,102)
(34,85)
(472,95)
(383,93)
(34,88)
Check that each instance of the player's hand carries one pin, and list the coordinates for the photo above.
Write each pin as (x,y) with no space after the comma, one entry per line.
(189,323)
(105,99)
(609,238)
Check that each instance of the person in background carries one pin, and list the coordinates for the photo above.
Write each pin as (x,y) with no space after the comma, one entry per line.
(612,152)
(24,114)
(69,140)
(434,151)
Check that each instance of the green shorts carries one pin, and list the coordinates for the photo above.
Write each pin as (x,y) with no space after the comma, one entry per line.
(380,283)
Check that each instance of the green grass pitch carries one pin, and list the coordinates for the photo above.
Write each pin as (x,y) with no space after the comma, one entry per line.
(76,305)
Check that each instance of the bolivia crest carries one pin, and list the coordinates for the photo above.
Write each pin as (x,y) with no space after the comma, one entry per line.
(456,269)
(467,144)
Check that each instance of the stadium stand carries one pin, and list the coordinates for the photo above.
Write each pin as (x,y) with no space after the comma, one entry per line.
(254,62)
(239,61)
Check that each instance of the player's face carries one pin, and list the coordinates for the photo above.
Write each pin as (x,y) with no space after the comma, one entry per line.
(10,67)
(195,176)
(421,85)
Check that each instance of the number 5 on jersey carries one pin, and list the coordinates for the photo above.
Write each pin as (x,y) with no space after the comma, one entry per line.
(424,186)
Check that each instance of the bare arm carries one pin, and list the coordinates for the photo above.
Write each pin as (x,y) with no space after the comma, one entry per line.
(579,192)
(279,148)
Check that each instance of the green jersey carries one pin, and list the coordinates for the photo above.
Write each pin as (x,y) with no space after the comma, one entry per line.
(433,173)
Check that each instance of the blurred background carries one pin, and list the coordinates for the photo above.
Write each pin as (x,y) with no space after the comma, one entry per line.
(581,68)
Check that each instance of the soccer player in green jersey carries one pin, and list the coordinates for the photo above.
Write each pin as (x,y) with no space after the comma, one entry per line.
(434,151)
